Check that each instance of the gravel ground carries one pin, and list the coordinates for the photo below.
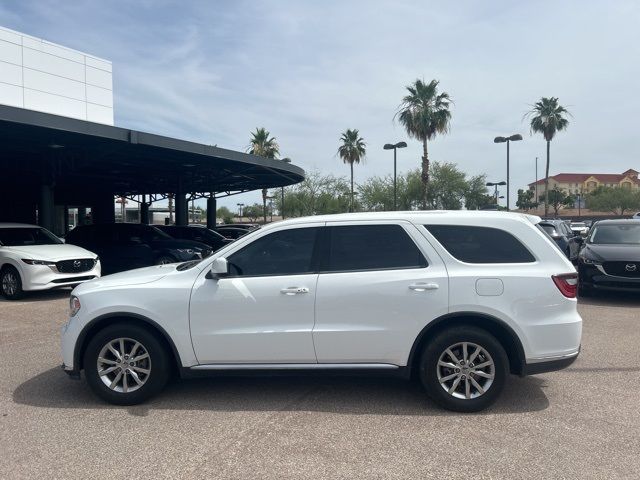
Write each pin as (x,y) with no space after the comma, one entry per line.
(582,422)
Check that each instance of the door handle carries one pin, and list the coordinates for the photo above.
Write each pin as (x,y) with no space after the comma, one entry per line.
(294,290)
(421,287)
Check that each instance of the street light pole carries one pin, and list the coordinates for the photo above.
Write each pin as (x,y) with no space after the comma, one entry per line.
(512,138)
(395,147)
(495,192)
(286,160)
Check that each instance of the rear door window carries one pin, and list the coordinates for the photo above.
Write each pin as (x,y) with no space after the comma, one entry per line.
(471,244)
(371,247)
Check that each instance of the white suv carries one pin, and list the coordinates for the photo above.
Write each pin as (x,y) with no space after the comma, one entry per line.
(458,299)
(32,258)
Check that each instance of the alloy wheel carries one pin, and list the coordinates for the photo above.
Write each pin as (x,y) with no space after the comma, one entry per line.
(124,365)
(465,370)
(9,283)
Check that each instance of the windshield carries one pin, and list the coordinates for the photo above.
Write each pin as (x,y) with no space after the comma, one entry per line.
(615,234)
(24,236)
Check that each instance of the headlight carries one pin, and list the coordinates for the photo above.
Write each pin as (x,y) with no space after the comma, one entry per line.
(38,262)
(588,261)
(186,250)
(74,305)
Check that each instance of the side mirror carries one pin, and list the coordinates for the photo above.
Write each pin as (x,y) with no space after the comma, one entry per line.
(219,268)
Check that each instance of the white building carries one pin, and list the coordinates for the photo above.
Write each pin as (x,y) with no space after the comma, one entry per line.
(40,75)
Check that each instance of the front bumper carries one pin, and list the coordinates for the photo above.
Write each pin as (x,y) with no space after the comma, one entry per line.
(43,277)
(593,276)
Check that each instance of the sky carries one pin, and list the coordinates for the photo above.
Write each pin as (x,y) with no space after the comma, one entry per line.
(213,71)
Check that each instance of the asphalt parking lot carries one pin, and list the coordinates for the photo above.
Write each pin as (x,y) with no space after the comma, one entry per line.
(583,422)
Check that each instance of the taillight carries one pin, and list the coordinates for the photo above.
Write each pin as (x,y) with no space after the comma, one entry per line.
(567,283)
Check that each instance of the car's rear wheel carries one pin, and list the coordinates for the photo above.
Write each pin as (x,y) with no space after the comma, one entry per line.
(464,369)
(126,364)
(11,283)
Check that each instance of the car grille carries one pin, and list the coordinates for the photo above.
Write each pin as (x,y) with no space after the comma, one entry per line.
(622,269)
(76,265)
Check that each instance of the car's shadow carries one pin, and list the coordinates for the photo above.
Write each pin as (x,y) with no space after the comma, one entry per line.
(342,395)
(611,299)
(44,295)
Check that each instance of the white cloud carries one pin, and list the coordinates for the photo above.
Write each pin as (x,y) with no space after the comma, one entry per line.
(305,70)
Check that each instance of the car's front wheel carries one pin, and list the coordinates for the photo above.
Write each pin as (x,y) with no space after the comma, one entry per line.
(464,369)
(126,364)
(11,283)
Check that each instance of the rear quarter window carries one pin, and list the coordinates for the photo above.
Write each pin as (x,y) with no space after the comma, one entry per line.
(471,244)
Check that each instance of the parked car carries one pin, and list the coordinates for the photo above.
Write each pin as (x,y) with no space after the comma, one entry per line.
(198,233)
(232,232)
(125,246)
(579,228)
(564,237)
(340,293)
(32,258)
(610,259)
(636,215)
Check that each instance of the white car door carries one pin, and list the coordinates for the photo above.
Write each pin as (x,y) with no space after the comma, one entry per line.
(262,311)
(381,284)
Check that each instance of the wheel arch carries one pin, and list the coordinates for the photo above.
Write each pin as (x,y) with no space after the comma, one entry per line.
(102,321)
(498,328)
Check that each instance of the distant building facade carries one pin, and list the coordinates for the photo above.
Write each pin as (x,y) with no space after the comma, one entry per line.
(585,183)
(40,75)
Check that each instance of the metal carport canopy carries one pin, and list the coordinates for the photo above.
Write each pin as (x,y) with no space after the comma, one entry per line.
(78,156)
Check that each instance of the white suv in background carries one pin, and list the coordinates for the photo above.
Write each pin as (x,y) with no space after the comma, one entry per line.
(32,258)
(458,299)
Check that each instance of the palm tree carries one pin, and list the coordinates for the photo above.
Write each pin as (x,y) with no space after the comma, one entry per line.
(352,150)
(548,117)
(264,145)
(424,113)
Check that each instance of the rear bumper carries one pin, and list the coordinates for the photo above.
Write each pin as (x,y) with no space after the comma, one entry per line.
(549,365)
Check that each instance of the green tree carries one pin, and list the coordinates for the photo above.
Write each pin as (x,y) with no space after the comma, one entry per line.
(264,145)
(225,214)
(252,212)
(352,150)
(525,200)
(476,195)
(424,113)
(558,198)
(317,194)
(616,200)
(548,117)
(447,188)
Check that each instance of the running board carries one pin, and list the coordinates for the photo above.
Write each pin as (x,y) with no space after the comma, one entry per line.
(296,366)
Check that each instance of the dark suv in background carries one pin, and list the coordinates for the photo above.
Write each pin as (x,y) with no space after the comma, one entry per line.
(561,233)
(125,246)
(198,233)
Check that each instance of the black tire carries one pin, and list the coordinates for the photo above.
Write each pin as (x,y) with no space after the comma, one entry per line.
(452,336)
(13,291)
(165,259)
(159,359)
